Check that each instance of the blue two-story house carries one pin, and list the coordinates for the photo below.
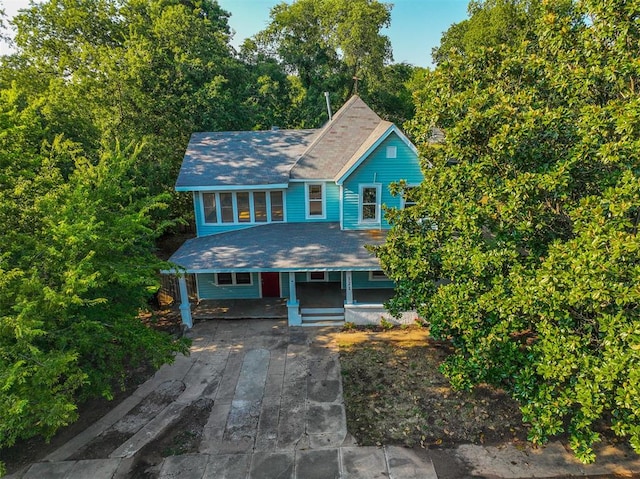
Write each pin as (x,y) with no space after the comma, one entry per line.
(287,213)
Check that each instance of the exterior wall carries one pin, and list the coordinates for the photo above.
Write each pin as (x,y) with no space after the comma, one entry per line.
(207,288)
(368,314)
(377,169)
(296,203)
(203,229)
(360,280)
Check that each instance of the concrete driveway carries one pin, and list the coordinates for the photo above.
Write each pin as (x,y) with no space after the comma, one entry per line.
(266,402)
(275,411)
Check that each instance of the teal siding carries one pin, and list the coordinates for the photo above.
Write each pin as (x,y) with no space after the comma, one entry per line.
(381,170)
(360,280)
(207,288)
(296,203)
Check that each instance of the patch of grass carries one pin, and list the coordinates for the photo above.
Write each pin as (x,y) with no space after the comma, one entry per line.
(395,394)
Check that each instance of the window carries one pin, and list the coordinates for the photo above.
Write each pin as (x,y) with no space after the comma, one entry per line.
(317,276)
(243,278)
(226,207)
(244,212)
(315,200)
(243,207)
(233,279)
(224,278)
(377,276)
(260,207)
(369,204)
(392,151)
(277,206)
(210,210)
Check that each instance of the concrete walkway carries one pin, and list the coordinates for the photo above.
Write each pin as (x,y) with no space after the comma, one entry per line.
(275,410)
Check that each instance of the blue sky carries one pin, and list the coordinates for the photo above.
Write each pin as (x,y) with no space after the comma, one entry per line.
(416,25)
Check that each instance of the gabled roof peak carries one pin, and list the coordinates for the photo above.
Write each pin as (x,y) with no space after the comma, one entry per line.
(337,141)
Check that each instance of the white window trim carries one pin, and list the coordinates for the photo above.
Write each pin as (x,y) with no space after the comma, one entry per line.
(306,201)
(377,220)
(234,202)
(373,278)
(402,199)
(325,280)
(234,280)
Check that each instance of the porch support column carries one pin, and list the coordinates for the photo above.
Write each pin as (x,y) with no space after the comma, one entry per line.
(349,281)
(185,307)
(293,305)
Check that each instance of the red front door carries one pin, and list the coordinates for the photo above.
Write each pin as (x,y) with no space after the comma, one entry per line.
(270,285)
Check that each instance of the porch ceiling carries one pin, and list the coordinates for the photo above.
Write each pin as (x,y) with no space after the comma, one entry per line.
(281,247)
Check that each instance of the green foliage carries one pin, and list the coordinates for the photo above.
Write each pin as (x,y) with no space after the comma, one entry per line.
(523,249)
(324,45)
(76,267)
(491,23)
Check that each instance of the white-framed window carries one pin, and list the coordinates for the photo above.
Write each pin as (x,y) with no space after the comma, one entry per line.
(242,207)
(392,151)
(369,204)
(408,196)
(317,276)
(276,206)
(315,200)
(209,207)
(378,275)
(234,279)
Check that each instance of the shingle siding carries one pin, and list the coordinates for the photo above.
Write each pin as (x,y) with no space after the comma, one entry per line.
(377,169)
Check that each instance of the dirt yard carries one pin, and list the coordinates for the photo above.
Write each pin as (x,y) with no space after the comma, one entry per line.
(394,394)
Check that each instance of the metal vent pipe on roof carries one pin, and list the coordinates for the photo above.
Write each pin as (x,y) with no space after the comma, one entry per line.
(326,96)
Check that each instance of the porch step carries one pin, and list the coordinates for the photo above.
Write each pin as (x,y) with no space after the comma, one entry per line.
(322,316)
(313,311)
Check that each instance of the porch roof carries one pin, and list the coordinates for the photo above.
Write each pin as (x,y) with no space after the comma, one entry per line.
(281,247)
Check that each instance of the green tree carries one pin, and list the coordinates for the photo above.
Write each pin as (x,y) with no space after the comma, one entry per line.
(523,249)
(151,71)
(490,23)
(325,44)
(76,268)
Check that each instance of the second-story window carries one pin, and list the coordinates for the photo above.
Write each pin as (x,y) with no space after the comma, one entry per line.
(226,207)
(370,203)
(244,211)
(315,200)
(243,207)
(277,206)
(210,209)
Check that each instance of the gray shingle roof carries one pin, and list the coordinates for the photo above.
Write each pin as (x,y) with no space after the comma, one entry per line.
(245,158)
(230,158)
(338,141)
(281,247)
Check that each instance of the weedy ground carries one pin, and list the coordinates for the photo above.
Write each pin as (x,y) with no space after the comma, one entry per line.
(395,394)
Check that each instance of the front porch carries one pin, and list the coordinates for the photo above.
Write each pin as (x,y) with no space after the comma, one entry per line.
(262,308)
(331,295)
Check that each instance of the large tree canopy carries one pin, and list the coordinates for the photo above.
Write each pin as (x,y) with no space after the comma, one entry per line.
(491,23)
(523,249)
(325,45)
